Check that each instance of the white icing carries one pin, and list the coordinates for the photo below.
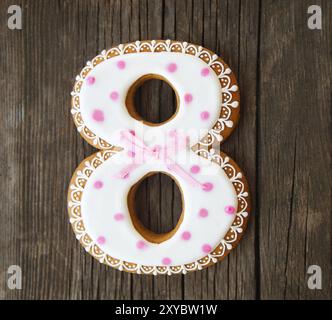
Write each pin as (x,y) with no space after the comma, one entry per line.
(98,206)
(206,92)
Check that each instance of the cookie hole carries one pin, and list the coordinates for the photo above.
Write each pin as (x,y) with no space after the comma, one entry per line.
(152,99)
(155,206)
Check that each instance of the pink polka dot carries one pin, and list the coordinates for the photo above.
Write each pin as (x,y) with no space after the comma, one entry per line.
(101,240)
(98,184)
(229,209)
(205,72)
(141,245)
(131,154)
(186,235)
(114,95)
(207,186)
(98,115)
(172,67)
(206,248)
(90,80)
(203,213)
(118,217)
(166,261)
(195,169)
(121,64)
(205,115)
(188,97)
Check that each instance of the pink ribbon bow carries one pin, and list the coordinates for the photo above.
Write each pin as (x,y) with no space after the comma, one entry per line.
(141,152)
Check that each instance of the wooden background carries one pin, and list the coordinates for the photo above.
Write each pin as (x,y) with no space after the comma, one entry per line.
(283,143)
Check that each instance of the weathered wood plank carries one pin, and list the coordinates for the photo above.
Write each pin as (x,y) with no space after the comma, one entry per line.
(11,123)
(78,31)
(284,137)
(294,163)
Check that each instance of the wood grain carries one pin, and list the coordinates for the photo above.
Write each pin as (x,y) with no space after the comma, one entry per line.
(294,167)
(283,143)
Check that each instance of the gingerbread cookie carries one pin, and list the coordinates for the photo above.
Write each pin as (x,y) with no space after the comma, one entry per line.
(214,191)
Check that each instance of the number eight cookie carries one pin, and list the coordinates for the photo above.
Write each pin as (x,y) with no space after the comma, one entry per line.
(214,192)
